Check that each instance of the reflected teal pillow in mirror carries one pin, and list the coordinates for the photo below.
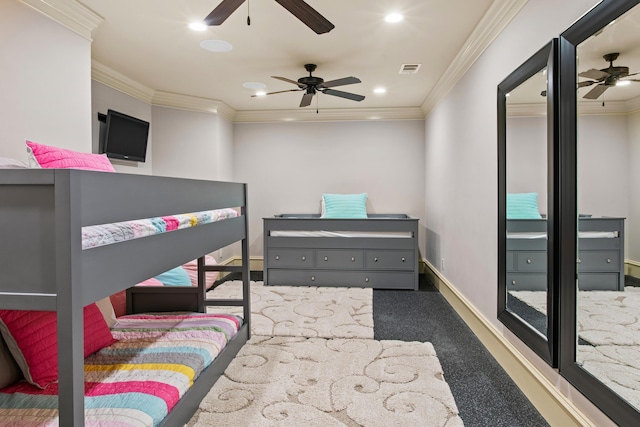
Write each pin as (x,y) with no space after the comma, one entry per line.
(345,205)
(522,206)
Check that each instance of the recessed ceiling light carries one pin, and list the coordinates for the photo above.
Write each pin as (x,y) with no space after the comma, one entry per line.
(216,45)
(394,17)
(623,82)
(261,93)
(254,85)
(379,90)
(197,26)
(508,94)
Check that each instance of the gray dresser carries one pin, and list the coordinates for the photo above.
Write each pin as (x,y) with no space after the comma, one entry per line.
(600,255)
(307,250)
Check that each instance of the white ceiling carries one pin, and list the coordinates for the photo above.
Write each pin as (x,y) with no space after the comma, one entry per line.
(149,42)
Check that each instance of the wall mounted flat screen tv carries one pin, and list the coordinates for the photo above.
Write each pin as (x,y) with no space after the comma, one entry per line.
(125,137)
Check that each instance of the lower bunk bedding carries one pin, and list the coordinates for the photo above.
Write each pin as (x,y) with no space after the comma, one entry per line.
(137,380)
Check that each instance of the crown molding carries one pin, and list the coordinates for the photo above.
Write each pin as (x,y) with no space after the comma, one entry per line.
(69,13)
(497,17)
(118,81)
(585,108)
(329,115)
(193,103)
(527,110)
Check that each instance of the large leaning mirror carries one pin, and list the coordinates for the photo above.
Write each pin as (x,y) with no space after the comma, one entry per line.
(600,348)
(526,138)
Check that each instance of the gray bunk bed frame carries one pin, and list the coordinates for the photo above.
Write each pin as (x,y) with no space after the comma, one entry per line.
(44,267)
(367,262)
(600,260)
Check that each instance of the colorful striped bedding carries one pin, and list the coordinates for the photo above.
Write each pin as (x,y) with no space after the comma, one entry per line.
(135,381)
(106,234)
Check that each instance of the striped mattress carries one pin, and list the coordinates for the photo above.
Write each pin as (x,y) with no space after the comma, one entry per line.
(135,381)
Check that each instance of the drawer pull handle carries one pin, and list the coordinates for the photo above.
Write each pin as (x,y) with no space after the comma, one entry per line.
(375,259)
(528,261)
(326,258)
(304,258)
(353,259)
(579,261)
(366,279)
(608,260)
(277,257)
(403,259)
(313,278)
(513,282)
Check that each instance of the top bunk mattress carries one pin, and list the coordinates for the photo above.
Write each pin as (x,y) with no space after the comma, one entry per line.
(105,234)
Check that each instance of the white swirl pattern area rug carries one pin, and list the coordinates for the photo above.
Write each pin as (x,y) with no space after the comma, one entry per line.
(297,381)
(303,311)
(312,361)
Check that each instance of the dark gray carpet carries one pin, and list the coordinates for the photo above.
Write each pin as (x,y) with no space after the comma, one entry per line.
(484,393)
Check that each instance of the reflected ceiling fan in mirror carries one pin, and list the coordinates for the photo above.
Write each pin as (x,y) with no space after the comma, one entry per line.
(305,13)
(311,85)
(606,77)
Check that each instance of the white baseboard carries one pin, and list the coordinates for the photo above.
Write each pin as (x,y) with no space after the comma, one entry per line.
(555,407)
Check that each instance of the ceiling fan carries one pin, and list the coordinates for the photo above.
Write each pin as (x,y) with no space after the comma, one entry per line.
(311,85)
(305,13)
(606,77)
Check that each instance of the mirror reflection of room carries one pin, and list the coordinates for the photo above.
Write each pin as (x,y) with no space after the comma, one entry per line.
(608,150)
(526,203)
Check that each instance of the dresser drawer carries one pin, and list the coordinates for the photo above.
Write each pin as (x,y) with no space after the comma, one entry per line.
(511,261)
(531,261)
(356,279)
(598,281)
(389,260)
(598,261)
(526,282)
(288,258)
(339,258)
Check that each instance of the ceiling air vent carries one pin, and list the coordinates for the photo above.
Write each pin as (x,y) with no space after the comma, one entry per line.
(409,68)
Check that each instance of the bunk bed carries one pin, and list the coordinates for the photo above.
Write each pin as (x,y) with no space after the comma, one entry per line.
(44,267)
(380,251)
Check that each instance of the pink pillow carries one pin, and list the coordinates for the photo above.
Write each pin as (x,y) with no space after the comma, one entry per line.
(192,271)
(49,157)
(32,339)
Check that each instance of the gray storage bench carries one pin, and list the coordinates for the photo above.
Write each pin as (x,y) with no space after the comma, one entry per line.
(378,252)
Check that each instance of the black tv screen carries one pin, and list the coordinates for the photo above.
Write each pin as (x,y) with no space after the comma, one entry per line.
(125,137)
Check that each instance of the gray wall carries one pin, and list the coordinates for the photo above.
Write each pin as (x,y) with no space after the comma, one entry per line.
(191,144)
(289,165)
(45,83)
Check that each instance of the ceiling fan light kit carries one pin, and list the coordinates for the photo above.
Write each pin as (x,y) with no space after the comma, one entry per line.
(605,78)
(311,85)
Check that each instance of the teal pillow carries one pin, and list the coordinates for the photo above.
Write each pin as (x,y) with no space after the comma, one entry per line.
(522,206)
(345,205)
(175,277)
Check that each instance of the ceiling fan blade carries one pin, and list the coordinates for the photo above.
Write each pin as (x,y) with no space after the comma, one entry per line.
(306,99)
(586,83)
(341,94)
(594,74)
(280,91)
(340,82)
(222,12)
(308,15)
(596,92)
(284,79)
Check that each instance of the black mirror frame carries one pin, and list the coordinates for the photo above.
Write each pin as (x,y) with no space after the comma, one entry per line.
(602,396)
(545,347)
